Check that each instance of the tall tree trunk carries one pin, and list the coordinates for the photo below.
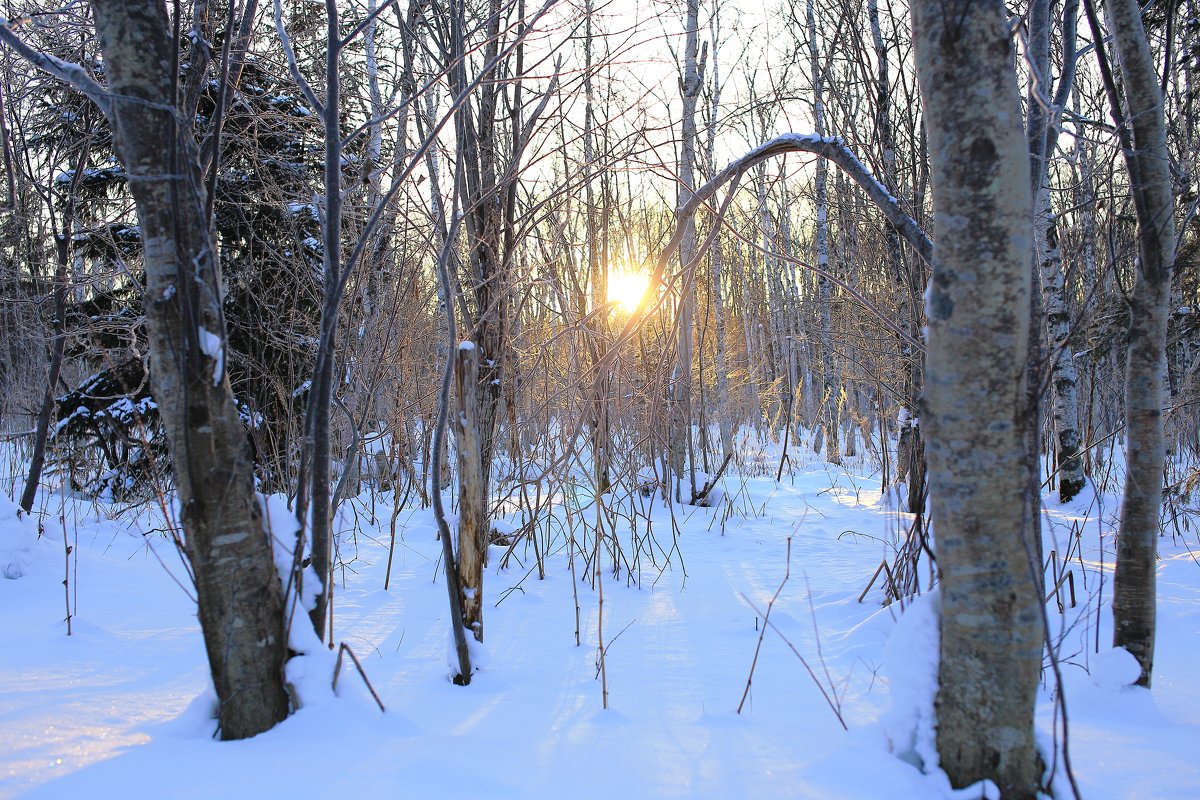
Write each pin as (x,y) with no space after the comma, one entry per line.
(62,254)
(597,271)
(910,455)
(320,396)
(239,592)
(991,623)
(1064,377)
(472,513)
(831,387)
(721,360)
(680,446)
(1045,112)
(1148,163)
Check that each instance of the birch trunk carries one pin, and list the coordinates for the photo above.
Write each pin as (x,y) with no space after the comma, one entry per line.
(831,387)
(680,446)
(724,410)
(1148,162)
(1064,377)
(238,589)
(991,623)
(1044,114)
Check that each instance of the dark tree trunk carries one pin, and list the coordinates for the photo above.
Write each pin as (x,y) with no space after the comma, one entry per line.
(238,588)
(37,459)
(62,263)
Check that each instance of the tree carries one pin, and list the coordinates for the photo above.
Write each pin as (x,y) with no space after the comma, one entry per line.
(1044,110)
(238,589)
(1142,133)
(831,382)
(910,451)
(991,623)
(682,455)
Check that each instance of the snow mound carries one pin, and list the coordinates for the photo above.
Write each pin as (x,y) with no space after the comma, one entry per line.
(910,660)
(1115,669)
(21,546)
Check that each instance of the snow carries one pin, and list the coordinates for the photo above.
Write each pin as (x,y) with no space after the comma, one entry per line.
(124,706)
(210,345)
(303,209)
(1115,669)
(21,550)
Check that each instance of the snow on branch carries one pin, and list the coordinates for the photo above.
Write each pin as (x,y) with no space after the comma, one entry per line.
(832,149)
(65,71)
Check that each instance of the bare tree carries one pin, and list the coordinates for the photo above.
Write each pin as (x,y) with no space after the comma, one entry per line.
(64,233)
(691,82)
(831,380)
(991,623)
(239,592)
(1143,139)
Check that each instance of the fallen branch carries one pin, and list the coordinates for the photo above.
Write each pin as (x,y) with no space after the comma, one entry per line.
(337,670)
(711,484)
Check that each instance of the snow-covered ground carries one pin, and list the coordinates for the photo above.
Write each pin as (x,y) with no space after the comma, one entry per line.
(121,707)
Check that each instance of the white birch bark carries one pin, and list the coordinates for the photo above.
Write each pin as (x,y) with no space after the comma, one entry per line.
(831,379)
(680,445)
(1064,377)
(1148,163)
(978,307)
(723,411)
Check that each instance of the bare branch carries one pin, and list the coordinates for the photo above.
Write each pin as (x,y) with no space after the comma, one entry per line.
(289,54)
(833,149)
(65,71)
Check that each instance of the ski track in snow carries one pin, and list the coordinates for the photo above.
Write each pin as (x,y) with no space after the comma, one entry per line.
(120,707)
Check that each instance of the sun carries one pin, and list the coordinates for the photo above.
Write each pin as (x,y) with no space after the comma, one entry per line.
(626,288)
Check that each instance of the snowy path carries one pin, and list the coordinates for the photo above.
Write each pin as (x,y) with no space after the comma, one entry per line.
(112,710)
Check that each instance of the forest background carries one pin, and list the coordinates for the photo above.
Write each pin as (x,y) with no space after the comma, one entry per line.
(309,208)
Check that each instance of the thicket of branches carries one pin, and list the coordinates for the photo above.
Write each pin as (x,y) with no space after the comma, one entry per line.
(492,168)
(585,189)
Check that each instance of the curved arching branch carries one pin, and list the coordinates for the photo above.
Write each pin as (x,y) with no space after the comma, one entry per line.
(831,148)
(65,71)
(834,150)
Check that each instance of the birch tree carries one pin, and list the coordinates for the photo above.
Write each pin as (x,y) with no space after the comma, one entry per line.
(1045,107)
(1143,138)
(716,257)
(239,594)
(680,445)
(991,623)
(831,384)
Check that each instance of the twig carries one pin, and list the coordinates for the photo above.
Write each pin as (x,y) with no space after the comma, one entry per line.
(762,633)
(871,582)
(337,670)
(832,705)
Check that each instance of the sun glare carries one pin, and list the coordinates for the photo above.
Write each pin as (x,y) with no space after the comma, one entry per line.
(626,289)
